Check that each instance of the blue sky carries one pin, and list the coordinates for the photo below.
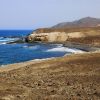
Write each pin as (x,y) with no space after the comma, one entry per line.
(31,14)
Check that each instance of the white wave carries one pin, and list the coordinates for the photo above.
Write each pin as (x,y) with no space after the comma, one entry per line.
(7,40)
(32,47)
(3,43)
(64,49)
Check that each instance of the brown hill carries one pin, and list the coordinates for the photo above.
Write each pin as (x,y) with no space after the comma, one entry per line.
(78,29)
(84,22)
(85,30)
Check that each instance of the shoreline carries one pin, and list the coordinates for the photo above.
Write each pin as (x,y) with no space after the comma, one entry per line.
(74,50)
(12,66)
(75,76)
(9,67)
(84,48)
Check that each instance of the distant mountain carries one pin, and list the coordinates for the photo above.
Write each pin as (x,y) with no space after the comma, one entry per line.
(84,22)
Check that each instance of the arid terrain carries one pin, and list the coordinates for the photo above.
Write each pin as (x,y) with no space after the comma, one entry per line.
(74,77)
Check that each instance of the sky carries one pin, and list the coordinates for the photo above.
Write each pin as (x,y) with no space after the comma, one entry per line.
(32,14)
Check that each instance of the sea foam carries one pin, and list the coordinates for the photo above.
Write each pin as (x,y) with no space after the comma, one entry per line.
(32,47)
(64,49)
(7,40)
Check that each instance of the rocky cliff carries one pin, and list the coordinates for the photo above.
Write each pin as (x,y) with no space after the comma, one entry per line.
(46,35)
(85,27)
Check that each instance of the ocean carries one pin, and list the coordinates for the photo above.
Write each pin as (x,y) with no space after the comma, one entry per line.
(21,52)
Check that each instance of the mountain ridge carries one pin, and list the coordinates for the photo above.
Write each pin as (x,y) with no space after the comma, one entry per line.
(83,22)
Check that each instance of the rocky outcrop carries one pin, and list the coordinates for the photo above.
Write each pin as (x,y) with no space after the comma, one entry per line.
(85,27)
(47,37)
(60,36)
(53,36)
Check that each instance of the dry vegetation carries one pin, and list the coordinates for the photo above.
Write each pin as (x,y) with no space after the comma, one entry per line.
(93,32)
(78,29)
(93,40)
(74,77)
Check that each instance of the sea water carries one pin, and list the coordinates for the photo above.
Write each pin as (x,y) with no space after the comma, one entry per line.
(20,52)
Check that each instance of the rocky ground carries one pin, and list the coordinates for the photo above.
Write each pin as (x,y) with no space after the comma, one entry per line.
(74,77)
(92,41)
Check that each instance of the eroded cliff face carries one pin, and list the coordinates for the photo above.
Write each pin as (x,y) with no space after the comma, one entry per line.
(48,37)
(44,35)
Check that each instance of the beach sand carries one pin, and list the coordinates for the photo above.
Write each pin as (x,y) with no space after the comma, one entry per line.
(73,77)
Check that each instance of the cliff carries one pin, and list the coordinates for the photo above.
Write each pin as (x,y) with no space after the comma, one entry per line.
(63,35)
(47,37)
(86,29)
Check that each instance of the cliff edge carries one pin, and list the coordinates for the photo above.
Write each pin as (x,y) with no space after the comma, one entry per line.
(90,33)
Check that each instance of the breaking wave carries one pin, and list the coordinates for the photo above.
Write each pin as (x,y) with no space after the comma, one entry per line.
(32,47)
(64,49)
(4,40)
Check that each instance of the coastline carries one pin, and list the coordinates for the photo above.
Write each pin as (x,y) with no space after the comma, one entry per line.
(9,67)
(81,46)
(63,48)
(13,66)
(73,76)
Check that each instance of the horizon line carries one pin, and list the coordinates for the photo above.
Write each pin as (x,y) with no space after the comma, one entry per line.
(16,29)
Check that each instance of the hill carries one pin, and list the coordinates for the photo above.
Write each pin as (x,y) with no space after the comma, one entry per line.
(84,22)
(85,30)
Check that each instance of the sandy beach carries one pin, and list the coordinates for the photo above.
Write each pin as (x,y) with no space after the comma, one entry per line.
(73,77)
